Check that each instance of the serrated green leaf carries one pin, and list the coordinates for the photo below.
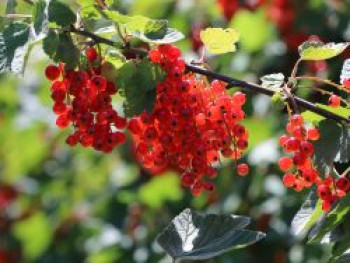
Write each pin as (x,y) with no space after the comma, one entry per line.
(138,85)
(314,50)
(13,47)
(40,19)
(50,43)
(67,52)
(308,214)
(61,14)
(89,10)
(334,218)
(191,236)
(330,140)
(219,40)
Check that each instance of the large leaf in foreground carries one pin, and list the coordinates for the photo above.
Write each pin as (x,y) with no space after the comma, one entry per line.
(191,236)
(307,215)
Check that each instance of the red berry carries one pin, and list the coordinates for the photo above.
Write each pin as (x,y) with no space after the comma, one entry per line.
(346,83)
(313,134)
(343,184)
(289,180)
(91,54)
(334,101)
(242,169)
(296,120)
(72,139)
(285,163)
(62,121)
(52,72)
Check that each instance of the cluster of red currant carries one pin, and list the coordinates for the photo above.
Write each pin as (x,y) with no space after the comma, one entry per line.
(300,172)
(83,98)
(194,123)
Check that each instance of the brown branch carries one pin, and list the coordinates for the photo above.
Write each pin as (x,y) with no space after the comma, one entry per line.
(229,80)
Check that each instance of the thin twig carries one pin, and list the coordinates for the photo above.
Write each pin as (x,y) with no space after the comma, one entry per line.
(324,81)
(229,80)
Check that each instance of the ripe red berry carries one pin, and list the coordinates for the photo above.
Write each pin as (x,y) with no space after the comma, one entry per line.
(91,54)
(52,72)
(296,120)
(242,169)
(334,101)
(346,83)
(285,163)
(343,184)
(62,121)
(289,180)
(313,134)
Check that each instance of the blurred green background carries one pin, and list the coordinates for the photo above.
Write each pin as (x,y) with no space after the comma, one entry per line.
(62,204)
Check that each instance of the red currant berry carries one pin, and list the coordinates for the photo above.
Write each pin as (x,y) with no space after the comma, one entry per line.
(52,72)
(334,101)
(242,169)
(91,54)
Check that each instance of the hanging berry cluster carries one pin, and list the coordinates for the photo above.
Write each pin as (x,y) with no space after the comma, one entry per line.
(83,98)
(300,172)
(194,123)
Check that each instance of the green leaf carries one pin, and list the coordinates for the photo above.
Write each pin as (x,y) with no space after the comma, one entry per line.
(343,155)
(157,31)
(219,40)
(254,28)
(13,47)
(308,214)
(138,85)
(40,18)
(191,236)
(330,140)
(160,190)
(333,219)
(315,119)
(89,10)
(345,258)
(67,52)
(129,23)
(61,14)
(50,44)
(35,234)
(60,48)
(314,50)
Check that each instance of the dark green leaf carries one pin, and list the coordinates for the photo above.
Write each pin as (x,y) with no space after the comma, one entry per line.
(327,148)
(13,47)
(61,14)
(138,84)
(343,155)
(191,236)
(307,215)
(67,52)
(345,258)
(333,219)
(50,43)
(40,18)
(169,36)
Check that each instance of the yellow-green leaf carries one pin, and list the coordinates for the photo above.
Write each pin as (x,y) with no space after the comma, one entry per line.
(219,40)
(315,50)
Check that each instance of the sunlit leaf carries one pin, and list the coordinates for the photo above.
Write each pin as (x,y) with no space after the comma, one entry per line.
(219,40)
(307,215)
(272,81)
(313,50)
(191,236)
